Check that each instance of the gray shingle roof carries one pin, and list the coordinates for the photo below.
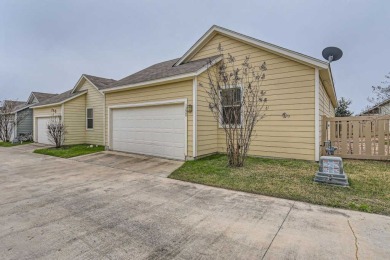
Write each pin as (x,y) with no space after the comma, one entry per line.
(163,70)
(158,71)
(59,98)
(100,83)
(43,96)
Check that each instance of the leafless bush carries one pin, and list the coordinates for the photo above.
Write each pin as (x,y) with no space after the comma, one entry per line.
(56,131)
(237,101)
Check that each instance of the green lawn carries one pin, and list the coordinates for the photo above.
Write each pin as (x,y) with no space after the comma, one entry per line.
(369,189)
(69,151)
(9,144)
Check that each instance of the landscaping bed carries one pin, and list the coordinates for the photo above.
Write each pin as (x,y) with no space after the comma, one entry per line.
(369,189)
(69,151)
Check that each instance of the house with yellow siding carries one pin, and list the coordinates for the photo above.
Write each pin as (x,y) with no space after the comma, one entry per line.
(81,109)
(163,111)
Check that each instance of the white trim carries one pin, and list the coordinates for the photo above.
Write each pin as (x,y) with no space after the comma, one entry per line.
(86,119)
(195,117)
(23,108)
(151,82)
(258,43)
(104,120)
(157,103)
(316,115)
(62,113)
(62,102)
(32,94)
(164,80)
(86,78)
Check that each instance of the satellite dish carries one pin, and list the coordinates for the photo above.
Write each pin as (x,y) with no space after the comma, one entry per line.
(332,54)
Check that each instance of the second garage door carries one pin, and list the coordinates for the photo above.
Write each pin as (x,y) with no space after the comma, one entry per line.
(152,130)
(42,136)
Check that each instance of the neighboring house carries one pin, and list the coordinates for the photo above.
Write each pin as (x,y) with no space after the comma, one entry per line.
(149,112)
(25,114)
(382,108)
(81,109)
(7,106)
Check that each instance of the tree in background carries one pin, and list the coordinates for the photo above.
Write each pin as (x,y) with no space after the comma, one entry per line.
(343,108)
(381,92)
(237,101)
(8,121)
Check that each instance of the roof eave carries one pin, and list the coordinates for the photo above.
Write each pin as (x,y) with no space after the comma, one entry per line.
(86,78)
(180,77)
(150,83)
(60,103)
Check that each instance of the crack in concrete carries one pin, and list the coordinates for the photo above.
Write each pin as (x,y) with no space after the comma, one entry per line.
(356,241)
(277,232)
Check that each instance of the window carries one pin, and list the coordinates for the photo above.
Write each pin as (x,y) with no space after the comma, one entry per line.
(89,118)
(231,106)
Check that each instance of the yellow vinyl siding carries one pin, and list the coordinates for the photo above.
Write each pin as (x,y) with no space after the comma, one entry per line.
(44,112)
(74,120)
(171,91)
(325,106)
(95,100)
(290,89)
(47,111)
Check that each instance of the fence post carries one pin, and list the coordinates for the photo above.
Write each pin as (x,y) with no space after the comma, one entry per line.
(323,134)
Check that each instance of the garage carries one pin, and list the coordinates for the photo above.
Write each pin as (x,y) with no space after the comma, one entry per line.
(42,136)
(157,130)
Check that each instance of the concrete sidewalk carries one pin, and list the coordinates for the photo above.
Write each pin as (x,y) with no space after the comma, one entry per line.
(52,208)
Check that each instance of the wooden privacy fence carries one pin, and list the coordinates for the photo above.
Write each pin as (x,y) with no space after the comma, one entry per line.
(358,137)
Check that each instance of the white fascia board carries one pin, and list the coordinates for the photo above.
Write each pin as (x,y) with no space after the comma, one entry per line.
(28,100)
(151,82)
(23,108)
(205,67)
(62,102)
(78,82)
(261,44)
(195,117)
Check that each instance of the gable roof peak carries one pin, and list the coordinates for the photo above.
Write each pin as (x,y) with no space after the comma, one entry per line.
(299,57)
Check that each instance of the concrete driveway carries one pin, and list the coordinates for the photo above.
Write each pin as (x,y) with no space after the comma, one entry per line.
(53,208)
(132,162)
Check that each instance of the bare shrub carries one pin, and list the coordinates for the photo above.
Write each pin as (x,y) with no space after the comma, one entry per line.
(56,131)
(237,101)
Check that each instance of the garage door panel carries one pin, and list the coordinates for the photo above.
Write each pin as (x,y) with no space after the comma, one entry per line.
(154,130)
(42,130)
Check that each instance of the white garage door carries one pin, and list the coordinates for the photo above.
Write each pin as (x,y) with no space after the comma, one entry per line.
(153,130)
(42,130)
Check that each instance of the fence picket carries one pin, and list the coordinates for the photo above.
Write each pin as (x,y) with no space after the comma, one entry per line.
(367,137)
(344,137)
(356,138)
(359,137)
(381,137)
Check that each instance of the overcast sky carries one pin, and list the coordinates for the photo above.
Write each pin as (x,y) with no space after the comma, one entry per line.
(46,45)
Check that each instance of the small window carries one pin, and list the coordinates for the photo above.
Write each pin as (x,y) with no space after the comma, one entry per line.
(90,118)
(231,106)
